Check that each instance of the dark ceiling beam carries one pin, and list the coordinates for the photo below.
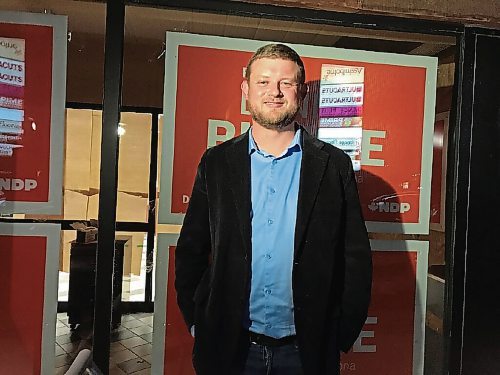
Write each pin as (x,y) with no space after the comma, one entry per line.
(428,49)
(357,20)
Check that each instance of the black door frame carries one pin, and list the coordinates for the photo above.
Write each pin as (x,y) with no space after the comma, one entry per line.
(460,249)
(458,154)
(113,68)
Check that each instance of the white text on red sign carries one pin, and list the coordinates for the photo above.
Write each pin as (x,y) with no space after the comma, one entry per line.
(223,130)
(17,184)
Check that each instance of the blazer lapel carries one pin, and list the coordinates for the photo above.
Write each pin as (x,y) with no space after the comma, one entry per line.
(314,161)
(238,162)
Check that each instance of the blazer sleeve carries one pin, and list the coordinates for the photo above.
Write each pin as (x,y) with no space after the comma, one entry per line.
(357,268)
(194,246)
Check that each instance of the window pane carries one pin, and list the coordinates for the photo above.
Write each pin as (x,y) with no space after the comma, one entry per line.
(419,267)
(133,167)
(134,265)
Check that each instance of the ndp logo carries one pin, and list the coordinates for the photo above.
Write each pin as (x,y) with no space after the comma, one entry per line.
(16,184)
(389,207)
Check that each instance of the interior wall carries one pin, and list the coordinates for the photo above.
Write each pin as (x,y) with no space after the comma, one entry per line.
(85,69)
(142,71)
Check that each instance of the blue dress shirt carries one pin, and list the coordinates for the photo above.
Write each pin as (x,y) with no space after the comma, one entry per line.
(274,193)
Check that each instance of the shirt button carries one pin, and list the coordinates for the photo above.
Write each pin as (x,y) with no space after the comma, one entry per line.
(269,221)
(272,190)
(275,162)
(269,326)
(268,256)
(268,291)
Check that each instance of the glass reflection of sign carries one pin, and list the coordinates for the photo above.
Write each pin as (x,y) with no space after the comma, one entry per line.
(388,135)
(395,323)
(32,96)
(341,108)
(28,291)
(11,94)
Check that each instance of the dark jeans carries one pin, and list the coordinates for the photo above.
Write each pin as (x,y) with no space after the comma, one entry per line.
(255,359)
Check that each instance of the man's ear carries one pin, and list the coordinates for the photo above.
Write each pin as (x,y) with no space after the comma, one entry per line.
(244,88)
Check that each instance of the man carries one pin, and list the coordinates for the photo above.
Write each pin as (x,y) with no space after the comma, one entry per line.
(273,263)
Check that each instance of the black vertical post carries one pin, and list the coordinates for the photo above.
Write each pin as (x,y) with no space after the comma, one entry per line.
(153,172)
(113,63)
(457,199)
(481,331)
(473,206)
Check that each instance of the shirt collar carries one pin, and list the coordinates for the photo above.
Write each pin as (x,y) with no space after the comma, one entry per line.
(295,144)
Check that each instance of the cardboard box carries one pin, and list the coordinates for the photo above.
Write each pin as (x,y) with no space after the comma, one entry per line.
(67,237)
(78,149)
(75,205)
(131,208)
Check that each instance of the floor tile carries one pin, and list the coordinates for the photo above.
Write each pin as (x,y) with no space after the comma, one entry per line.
(62,360)
(142,350)
(148,337)
(116,347)
(132,342)
(146,371)
(143,315)
(119,329)
(71,347)
(122,356)
(115,370)
(122,335)
(134,365)
(64,339)
(128,317)
(59,350)
(62,331)
(148,358)
(61,370)
(142,330)
(148,320)
(132,324)
(63,319)
(84,332)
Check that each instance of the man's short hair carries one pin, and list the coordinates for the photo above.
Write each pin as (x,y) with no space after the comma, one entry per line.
(277,51)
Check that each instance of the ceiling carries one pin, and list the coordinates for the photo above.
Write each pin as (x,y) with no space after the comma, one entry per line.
(143,23)
(145,29)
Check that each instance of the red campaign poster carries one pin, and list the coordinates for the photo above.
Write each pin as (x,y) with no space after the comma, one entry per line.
(172,343)
(28,291)
(439,171)
(204,106)
(396,317)
(395,323)
(178,341)
(21,291)
(32,102)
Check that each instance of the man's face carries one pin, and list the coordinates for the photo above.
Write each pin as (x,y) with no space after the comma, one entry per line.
(273,92)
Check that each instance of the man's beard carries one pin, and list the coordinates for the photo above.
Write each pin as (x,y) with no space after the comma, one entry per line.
(274,121)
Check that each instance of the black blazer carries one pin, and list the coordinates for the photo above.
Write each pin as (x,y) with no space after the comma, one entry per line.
(332,268)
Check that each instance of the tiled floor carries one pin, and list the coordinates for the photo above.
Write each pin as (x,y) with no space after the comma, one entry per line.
(130,344)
